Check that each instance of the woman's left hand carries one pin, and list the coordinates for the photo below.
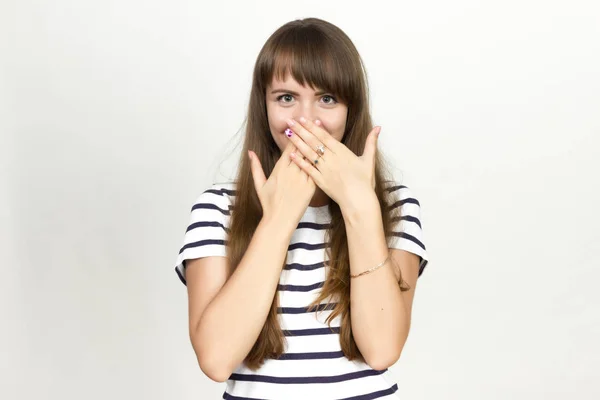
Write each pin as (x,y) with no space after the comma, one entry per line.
(346,178)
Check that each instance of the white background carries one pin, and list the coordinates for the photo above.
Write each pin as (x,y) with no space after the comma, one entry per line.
(116,115)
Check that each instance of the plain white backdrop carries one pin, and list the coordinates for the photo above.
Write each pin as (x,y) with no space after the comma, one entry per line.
(116,115)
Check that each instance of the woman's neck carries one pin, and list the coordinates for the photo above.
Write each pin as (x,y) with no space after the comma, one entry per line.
(319,198)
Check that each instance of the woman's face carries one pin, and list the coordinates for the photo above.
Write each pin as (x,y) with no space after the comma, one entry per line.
(288,99)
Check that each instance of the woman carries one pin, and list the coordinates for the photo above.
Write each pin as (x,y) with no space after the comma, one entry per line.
(311,225)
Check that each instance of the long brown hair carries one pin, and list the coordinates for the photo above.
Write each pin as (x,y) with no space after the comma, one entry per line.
(319,54)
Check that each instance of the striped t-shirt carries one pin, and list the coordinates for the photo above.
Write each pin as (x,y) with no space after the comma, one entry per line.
(313,365)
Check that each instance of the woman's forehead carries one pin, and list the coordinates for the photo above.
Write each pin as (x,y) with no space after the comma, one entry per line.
(289,83)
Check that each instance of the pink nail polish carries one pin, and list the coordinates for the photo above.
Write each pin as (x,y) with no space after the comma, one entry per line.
(289,132)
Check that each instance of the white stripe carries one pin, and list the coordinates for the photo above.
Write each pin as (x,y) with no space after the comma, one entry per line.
(318,343)
(307,321)
(322,367)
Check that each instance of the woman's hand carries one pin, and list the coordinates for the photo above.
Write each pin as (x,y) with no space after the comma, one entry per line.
(346,178)
(287,192)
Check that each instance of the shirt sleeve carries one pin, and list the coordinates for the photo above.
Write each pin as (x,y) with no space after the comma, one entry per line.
(407,233)
(207,231)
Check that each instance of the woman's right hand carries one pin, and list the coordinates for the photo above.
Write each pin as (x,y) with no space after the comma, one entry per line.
(288,191)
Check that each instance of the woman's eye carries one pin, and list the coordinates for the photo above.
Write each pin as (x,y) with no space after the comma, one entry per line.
(333,100)
(279,98)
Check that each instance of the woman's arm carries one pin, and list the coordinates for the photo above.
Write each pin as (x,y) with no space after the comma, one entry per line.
(230,324)
(380,312)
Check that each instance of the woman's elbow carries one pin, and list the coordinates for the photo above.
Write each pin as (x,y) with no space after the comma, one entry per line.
(214,369)
(211,360)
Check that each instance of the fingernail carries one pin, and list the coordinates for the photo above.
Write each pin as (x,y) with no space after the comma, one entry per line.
(302,119)
(290,122)
(289,132)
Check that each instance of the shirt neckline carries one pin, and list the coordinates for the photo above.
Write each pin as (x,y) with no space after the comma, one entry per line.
(317,211)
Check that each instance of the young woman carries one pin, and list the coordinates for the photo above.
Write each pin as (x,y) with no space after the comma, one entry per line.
(301,272)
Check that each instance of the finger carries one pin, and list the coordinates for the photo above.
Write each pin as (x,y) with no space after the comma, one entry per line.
(284,158)
(302,146)
(371,143)
(258,175)
(289,148)
(310,169)
(293,149)
(306,129)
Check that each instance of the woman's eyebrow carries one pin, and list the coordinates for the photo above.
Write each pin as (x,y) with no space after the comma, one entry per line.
(318,93)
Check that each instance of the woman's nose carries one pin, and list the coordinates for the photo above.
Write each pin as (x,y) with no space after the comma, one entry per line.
(307,113)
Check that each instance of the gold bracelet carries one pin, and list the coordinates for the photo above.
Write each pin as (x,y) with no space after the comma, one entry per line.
(372,269)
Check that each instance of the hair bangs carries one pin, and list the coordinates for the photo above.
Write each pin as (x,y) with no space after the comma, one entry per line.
(313,60)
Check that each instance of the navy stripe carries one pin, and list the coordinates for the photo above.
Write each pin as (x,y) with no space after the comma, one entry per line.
(300,288)
(210,206)
(402,202)
(304,267)
(203,243)
(409,237)
(303,310)
(311,332)
(423,265)
(227,396)
(374,395)
(305,379)
(395,187)
(408,218)
(207,223)
(221,191)
(307,246)
(180,276)
(314,225)
(321,355)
